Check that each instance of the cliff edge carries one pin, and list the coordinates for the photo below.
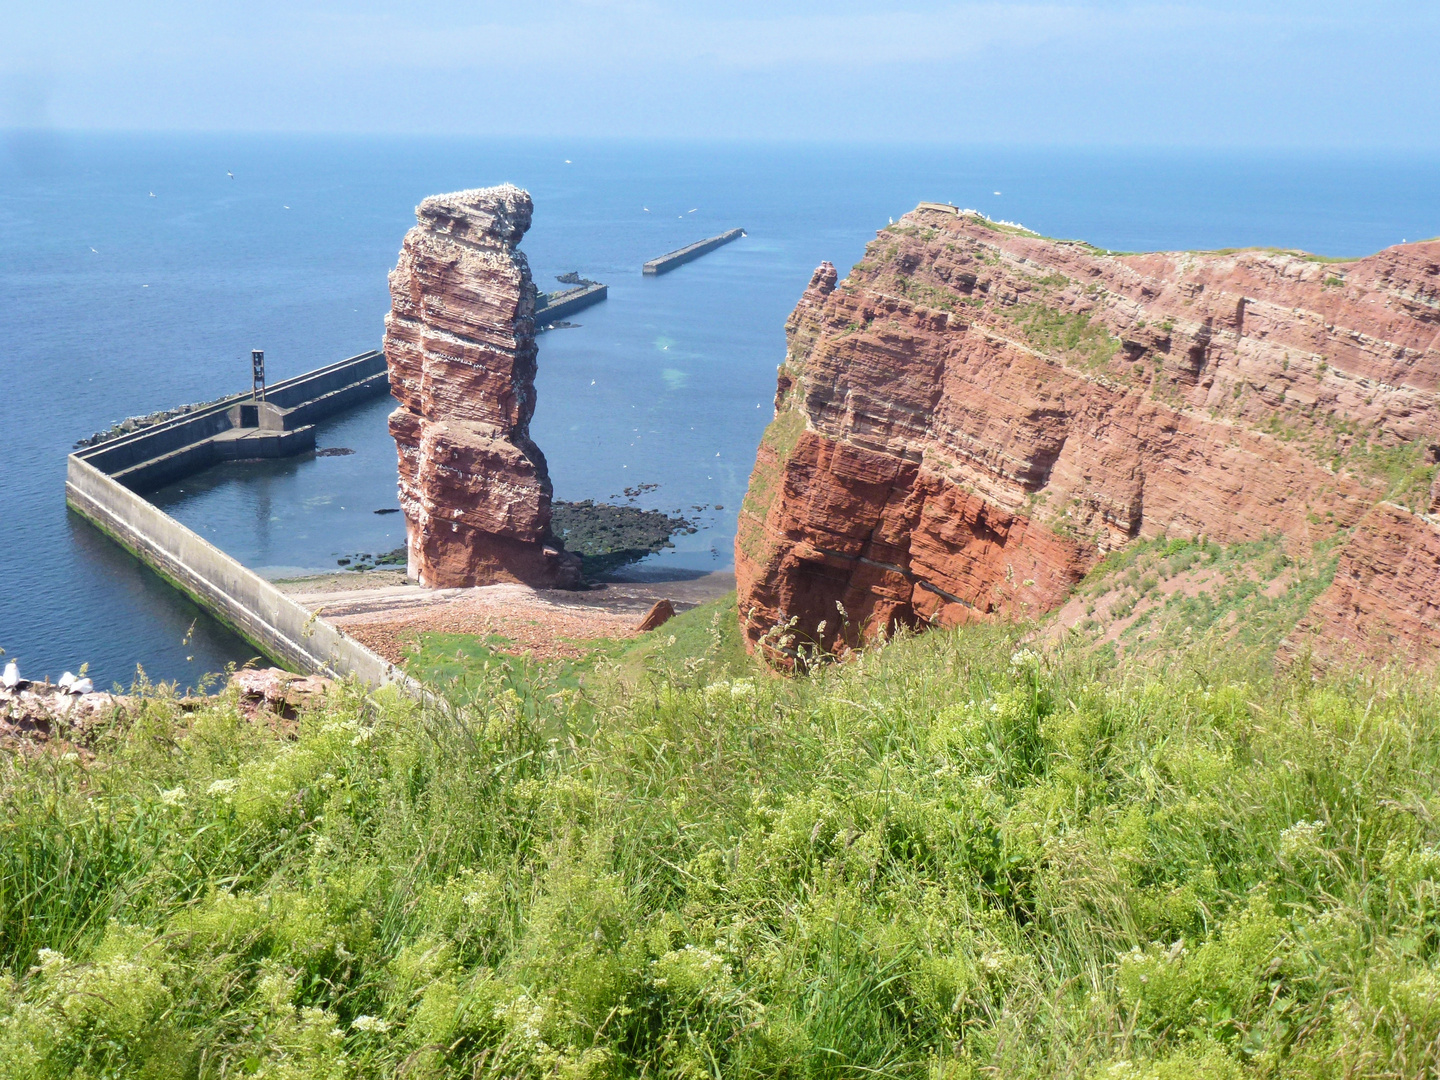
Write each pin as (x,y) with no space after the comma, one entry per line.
(460,343)
(977,415)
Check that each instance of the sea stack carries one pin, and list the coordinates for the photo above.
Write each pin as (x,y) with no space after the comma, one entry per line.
(460,344)
(977,415)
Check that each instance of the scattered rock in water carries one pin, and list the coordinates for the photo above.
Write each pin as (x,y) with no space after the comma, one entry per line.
(334,451)
(574,278)
(364,560)
(658,615)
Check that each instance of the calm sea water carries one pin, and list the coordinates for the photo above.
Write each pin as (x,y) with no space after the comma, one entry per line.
(136,274)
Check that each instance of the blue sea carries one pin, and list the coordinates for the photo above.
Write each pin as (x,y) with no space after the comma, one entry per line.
(138,271)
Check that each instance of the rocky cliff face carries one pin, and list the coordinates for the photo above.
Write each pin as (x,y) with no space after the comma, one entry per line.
(977,415)
(460,343)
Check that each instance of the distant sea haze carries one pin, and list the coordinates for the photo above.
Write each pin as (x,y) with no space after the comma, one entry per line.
(137,273)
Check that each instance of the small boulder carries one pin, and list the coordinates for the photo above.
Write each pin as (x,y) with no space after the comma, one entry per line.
(280,691)
(659,614)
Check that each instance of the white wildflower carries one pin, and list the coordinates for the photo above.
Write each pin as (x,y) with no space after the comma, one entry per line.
(370,1023)
(223,787)
(1300,840)
(1025,660)
(50,958)
(174,797)
(718,693)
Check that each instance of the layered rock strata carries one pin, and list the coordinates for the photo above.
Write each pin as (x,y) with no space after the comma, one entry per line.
(460,343)
(977,415)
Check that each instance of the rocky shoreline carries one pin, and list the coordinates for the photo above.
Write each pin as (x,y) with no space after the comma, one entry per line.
(35,716)
(135,423)
(608,537)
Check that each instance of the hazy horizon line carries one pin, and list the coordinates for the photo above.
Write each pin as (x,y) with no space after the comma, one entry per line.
(9,132)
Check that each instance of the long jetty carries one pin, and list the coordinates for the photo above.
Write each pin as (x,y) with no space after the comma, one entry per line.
(551,307)
(691,251)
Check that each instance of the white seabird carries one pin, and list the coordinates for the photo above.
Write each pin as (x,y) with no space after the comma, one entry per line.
(11,678)
(82,686)
(66,681)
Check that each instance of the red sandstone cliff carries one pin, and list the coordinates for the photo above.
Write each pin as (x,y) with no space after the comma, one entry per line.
(460,344)
(974,417)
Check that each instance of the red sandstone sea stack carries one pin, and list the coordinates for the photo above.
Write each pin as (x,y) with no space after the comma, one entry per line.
(460,342)
(971,420)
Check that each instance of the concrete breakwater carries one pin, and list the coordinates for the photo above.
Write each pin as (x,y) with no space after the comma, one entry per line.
(100,483)
(550,307)
(669,262)
(239,427)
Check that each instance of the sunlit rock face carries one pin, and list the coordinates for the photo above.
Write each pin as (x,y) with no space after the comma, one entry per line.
(460,343)
(974,417)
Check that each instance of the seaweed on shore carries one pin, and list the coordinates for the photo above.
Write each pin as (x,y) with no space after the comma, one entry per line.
(365,560)
(608,537)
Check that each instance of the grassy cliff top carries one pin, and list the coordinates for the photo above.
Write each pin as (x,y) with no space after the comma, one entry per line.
(1012,228)
(952,858)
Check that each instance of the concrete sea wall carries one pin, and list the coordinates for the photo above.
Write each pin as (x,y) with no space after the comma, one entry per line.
(239,597)
(558,305)
(163,452)
(98,485)
(691,251)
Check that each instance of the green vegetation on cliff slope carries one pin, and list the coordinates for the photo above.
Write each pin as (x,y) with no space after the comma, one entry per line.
(950,858)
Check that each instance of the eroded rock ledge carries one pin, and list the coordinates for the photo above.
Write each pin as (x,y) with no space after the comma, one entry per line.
(460,342)
(977,415)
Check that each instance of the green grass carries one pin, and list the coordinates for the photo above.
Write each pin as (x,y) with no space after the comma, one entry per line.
(702,643)
(1072,335)
(1235,601)
(951,858)
(1402,469)
(782,435)
(1293,252)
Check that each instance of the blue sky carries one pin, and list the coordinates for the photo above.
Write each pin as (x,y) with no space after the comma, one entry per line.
(1315,74)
